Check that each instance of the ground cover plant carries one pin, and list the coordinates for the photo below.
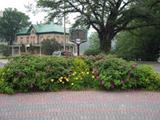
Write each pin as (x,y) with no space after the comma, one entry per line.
(47,73)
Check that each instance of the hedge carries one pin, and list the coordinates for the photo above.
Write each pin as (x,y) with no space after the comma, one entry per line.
(47,73)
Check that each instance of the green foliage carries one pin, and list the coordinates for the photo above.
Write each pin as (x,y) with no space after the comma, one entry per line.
(145,41)
(114,73)
(107,17)
(147,77)
(145,44)
(81,75)
(11,22)
(94,41)
(32,73)
(92,52)
(29,73)
(94,48)
(5,50)
(4,86)
(49,46)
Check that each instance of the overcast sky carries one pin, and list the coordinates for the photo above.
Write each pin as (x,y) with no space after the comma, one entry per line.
(19,4)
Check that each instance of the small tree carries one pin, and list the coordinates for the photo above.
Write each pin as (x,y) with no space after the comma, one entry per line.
(94,41)
(49,46)
(94,46)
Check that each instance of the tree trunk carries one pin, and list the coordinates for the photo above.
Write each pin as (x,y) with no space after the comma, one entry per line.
(105,42)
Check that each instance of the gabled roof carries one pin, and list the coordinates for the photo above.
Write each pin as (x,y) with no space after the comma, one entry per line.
(42,29)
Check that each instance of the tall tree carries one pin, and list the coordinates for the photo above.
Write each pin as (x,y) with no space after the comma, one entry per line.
(11,22)
(107,17)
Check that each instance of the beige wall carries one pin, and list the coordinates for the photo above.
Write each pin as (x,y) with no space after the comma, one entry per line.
(34,38)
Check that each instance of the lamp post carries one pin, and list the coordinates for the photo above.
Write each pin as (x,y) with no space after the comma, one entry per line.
(78,42)
(78,36)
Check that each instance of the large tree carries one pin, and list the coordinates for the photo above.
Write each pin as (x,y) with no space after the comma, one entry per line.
(11,22)
(107,17)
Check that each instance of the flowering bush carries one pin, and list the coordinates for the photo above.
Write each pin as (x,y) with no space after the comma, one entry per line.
(115,73)
(34,73)
(147,77)
(81,76)
(31,73)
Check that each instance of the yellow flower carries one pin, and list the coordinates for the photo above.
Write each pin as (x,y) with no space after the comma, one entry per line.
(76,78)
(52,80)
(87,73)
(93,76)
(72,83)
(67,80)
(60,80)
(74,73)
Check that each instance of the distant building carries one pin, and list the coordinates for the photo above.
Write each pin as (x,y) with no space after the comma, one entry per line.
(35,34)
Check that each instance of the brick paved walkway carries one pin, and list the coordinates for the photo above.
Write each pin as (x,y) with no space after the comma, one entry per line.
(82,105)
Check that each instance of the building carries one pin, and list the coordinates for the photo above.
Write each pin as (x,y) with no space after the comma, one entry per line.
(35,34)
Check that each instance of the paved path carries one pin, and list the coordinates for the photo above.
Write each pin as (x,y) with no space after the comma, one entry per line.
(156,65)
(82,105)
(3,62)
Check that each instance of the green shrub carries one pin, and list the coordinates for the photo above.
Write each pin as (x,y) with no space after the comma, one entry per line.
(115,73)
(147,77)
(47,73)
(81,76)
(92,52)
(4,87)
(31,73)
(5,50)
(49,46)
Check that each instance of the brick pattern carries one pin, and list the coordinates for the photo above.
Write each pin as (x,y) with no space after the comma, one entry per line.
(81,105)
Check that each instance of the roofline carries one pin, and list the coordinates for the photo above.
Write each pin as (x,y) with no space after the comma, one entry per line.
(51,33)
(18,34)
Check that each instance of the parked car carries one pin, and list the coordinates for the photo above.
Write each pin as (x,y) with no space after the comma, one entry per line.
(62,53)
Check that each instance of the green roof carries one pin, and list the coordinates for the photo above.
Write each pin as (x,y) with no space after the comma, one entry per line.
(42,29)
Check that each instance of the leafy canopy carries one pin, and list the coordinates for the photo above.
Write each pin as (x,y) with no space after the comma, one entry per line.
(11,22)
(107,17)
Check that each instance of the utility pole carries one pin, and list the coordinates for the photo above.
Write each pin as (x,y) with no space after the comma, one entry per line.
(64,22)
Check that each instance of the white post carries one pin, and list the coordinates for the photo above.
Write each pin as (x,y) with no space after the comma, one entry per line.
(40,52)
(64,28)
(12,51)
(19,50)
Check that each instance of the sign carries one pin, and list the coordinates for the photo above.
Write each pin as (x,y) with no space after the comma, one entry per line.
(78,34)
